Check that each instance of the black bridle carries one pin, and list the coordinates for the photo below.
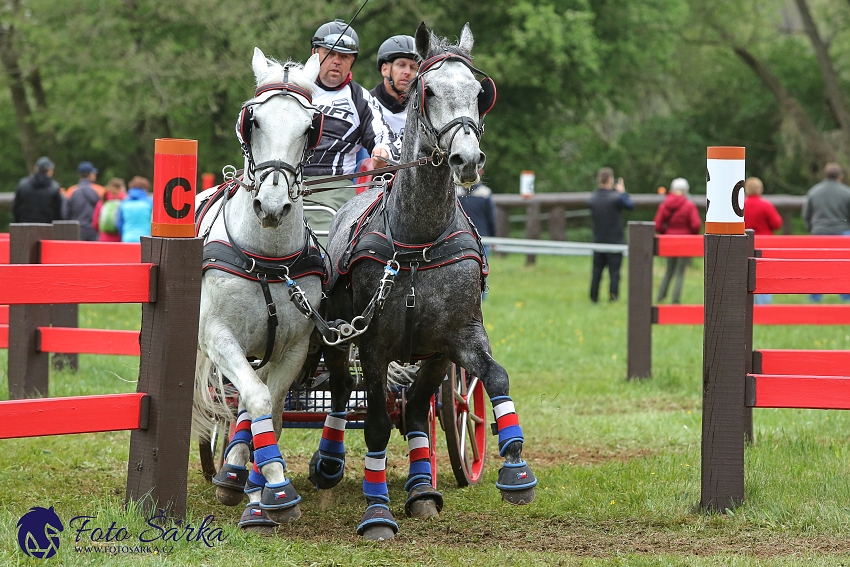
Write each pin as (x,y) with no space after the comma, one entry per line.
(257,173)
(461,122)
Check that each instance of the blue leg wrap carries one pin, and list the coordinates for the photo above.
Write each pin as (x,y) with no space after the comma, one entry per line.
(375,477)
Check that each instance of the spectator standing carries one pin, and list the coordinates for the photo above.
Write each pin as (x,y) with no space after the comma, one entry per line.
(827,209)
(677,214)
(37,196)
(477,203)
(83,199)
(761,216)
(105,216)
(605,205)
(136,211)
(91,177)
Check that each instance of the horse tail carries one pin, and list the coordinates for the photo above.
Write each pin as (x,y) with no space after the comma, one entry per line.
(209,404)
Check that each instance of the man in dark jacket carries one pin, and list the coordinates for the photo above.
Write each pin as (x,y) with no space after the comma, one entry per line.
(605,205)
(82,202)
(827,209)
(37,197)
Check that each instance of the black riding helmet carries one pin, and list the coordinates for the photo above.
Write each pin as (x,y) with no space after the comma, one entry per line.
(328,36)
(395,47)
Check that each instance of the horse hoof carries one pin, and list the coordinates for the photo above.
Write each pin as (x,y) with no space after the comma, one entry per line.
(424,508)
(378,533)
(284,515)
(228,496)
(320,476)
(261,530)
(518,497)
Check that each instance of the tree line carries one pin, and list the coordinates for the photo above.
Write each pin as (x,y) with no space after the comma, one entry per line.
(641,86)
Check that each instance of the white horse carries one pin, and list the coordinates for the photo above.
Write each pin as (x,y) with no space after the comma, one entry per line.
(261,217)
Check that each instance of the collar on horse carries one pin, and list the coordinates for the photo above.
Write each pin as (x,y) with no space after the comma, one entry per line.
(231,258)
(371,239)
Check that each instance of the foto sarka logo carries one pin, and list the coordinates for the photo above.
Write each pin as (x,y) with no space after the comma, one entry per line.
(38,532)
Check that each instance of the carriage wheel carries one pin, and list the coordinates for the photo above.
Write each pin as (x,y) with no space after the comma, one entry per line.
(464,417)
(212,450)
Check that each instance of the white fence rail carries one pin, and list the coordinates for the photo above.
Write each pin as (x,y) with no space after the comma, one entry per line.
(554,247)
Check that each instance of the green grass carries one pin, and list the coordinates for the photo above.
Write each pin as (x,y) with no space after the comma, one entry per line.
(618,461)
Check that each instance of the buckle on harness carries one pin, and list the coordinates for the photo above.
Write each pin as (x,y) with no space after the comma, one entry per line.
(272,309)
(253,265)
(411,299)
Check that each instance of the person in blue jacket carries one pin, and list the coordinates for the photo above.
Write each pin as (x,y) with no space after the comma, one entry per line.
(136,211)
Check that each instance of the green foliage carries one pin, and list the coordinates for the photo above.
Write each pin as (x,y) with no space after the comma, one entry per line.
(641,86)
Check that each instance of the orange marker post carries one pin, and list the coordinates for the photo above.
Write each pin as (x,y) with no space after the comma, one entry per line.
(725,190)
(175,168)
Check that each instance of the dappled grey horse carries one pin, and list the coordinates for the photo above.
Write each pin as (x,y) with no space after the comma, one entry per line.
(411,260)
(258,253)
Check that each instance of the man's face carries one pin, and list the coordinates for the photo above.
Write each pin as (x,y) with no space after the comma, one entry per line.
(335,68)
(402,71)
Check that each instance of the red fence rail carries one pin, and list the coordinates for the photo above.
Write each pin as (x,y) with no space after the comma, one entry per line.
(78,414)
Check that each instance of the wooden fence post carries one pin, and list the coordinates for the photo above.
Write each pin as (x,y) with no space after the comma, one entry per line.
(66,315)
(748,337)
(557,223)
(157,469)
(532,226)
(28,367)
(724,363)
(641,252)
(503,223)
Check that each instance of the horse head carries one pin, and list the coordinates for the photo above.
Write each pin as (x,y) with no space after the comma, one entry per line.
(451,103)
(276,128)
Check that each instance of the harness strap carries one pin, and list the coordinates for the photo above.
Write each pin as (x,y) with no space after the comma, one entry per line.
(407,341)
(272,321)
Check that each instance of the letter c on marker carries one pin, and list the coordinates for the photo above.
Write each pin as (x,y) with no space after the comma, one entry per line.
(169,193)
(736,192)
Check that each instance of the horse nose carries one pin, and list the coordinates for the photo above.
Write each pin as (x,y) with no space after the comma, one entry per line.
(465,166)
(271,219)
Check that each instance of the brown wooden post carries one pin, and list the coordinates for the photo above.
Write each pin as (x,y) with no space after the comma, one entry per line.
(503,223)
(157,470)
(557,223)
(532,226)
(748,346)
(28,367)
(641,252)
(787,221)
(66,315)
(724,363)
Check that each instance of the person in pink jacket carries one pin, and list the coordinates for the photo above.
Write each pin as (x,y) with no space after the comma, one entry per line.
(676,215)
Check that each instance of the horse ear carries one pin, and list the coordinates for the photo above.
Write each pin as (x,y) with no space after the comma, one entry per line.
(423,41)
(466,40)
(260,65)
(311,67)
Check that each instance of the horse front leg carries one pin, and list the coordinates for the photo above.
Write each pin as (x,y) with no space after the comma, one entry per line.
(377,522)
(270,494)
(327,466)
(423,501)
(472,351)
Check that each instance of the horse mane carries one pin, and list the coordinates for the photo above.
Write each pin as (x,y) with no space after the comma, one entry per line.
(440,45)
(296,76)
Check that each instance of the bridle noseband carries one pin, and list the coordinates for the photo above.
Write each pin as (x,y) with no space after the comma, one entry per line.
(486,100)
(257,173)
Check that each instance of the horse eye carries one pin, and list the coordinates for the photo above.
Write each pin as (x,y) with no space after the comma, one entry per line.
(429,92)
(256,123)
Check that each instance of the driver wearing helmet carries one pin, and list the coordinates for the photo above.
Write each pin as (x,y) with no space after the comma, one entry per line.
(398,63)
(352,118)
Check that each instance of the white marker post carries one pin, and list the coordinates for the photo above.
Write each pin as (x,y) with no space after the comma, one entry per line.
(526,184)
(725,190)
